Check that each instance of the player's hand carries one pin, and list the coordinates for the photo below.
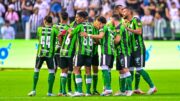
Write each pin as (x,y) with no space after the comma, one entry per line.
(84,34)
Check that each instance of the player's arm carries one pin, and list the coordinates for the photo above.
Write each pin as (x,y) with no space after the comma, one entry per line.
(73,32)
(138,26)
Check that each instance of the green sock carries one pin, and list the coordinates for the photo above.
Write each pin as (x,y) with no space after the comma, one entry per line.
(122,84)
(132,75)
(63,81)
(60,89)
(129,82)
(69,81)
(137,80)
(75,85)
(106,77)
(51,82)
(95,80)
(110,76)
(36,77)
(79,83)
(146,77)
(88,84)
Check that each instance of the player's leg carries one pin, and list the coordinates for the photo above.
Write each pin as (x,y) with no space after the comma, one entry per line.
(51,77)
(70,70)
(105,63)
(79,62)
(140,64)
(63,75)
(95,64)
(88,63)
(122,79)
(38,65)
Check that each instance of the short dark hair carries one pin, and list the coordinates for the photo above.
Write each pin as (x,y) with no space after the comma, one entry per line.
(48,19)
(86,14)
(82,14)
(117,6)
(116,17)
(102,19)
(64,15)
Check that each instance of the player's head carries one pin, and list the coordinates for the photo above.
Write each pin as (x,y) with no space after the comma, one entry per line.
(64,16)
(47,20)
(127,12)
(119,10)
(100,21)
(86,15)
(80,17)
(115,18)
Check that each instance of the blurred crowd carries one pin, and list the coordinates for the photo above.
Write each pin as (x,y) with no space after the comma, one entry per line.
(160,18)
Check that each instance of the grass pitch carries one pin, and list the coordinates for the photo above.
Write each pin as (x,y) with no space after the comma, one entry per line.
(15,84)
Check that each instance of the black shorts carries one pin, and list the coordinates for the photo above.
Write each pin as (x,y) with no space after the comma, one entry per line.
(57,60)
(107,60)
(122,61)
(66,62)
(95,60)
(83,60)
(49,61)
(138,59)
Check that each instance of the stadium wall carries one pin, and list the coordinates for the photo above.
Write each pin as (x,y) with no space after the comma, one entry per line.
(22,53)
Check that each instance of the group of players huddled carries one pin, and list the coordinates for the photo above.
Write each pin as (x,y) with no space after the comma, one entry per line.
(72,46)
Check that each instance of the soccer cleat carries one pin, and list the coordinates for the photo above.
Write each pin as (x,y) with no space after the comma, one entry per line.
(152,91)
(87,94)
(61,94)
(32,93)
(106,93)
(138,91)
(129,93)
(96,93)
(120,94)
(69,93)
(77,94)
(50,94)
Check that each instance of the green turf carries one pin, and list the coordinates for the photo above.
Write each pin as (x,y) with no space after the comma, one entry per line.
(15,84)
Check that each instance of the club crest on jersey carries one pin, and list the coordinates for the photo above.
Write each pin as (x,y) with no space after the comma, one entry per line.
(4,53)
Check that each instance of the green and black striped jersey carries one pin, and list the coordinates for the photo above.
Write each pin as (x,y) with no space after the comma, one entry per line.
(60,27)
(68,44)
(84,44)
(107,42)
(47,41)
(123,47)
(137,42)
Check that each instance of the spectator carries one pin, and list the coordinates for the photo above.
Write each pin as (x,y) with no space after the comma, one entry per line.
(151,6)
(27,8)
(7,31)
(92,15)
(95,5)
(1,24)
(147,21)
(81,5)
(35,20)
(43,7)
(175,1)
(174,20)
(162,8)
(68,6)
(134,4)
(12,17)
(54,17)
(17,6)
(106,7)
(159,26)
(2,8)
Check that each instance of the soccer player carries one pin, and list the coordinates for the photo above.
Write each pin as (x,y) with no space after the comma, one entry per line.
(123,52)
(83,53)
(138,47)
(46,49)
(66,52)
(106,37)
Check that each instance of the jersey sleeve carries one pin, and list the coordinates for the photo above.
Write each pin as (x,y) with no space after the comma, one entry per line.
(76,30)
(39,31)
(56,32)
(138,23)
